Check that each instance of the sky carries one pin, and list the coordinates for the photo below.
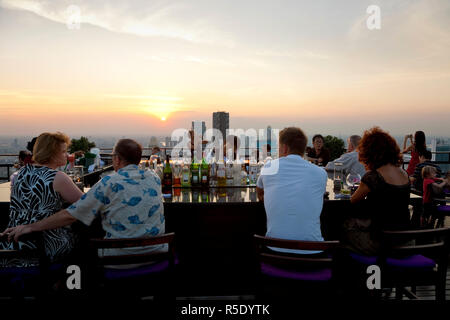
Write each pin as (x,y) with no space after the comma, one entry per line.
(149,67)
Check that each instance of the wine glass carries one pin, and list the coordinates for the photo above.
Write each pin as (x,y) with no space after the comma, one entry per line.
(353,180)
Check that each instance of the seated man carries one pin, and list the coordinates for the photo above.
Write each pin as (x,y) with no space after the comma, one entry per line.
(129,203)
(349,160)
(424,160)
(292,189)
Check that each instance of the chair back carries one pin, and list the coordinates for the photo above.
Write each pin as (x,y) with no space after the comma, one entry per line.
(432,243)
(294,260)
(135,242)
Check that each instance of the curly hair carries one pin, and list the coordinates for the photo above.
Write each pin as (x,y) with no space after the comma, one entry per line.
(377,148)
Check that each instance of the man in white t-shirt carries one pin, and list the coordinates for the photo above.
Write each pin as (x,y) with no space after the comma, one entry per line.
(293,190)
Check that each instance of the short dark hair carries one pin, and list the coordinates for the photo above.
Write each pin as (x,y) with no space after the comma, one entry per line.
(426,154)
(129,151)
(317,136)
(377,148)
(23,155)
(30,144)
(295,139)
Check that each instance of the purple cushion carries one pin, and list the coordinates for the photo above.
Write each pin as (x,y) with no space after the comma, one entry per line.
(156,267)
(444,209)
(319,275)
(415,261)
(366,260)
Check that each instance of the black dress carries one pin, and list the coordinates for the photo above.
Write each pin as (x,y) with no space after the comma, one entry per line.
(386,208)
(32,199)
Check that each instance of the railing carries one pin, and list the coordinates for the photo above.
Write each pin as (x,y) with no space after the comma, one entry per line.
(106,156)
(439,162)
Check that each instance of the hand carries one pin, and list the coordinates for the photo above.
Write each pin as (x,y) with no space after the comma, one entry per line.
(16,232)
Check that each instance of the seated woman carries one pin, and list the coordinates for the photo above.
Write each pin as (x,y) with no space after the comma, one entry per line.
(39,191)
(386,188)
(318,154)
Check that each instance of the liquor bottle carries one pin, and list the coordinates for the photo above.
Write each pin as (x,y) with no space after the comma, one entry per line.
(213,173)
(253,171)
(177,174)
(229,173)
(237,165)
(195,174)
(186,174)
(244,176)
(221,174)
(204,174)
(167,176)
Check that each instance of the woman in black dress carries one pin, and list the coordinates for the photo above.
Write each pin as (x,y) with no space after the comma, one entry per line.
(385,190)
(38,192)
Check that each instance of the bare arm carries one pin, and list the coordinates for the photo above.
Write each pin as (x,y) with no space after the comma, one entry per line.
(360,193)
(409,148)
(66,188)
(60,219)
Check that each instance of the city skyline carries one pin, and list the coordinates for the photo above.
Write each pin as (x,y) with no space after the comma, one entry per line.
(144,68)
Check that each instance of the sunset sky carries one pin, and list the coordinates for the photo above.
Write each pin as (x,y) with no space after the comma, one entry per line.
(149,67)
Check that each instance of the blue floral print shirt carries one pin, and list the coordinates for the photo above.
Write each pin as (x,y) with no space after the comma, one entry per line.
(129,203)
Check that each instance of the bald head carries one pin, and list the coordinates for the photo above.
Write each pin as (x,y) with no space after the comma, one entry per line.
(129,151)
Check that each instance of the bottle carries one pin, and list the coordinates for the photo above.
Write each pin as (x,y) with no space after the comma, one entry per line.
(177,174)
(253,171)
(244,176)
(221,174)
(237,165)
(195,174)
(167,176)
(204,174)
(186,174)
(229,173)
(213,173)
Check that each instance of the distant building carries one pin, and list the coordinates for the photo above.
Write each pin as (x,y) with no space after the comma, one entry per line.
(221,122)
(269,135)
(153,142)
(199,128)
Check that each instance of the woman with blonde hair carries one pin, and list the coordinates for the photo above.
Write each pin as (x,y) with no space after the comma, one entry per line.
(39,191)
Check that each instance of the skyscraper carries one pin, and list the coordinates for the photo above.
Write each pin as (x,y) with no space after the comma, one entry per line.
(221,122)
(199,128)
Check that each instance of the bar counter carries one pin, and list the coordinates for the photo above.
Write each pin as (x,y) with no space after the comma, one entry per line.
(214,231)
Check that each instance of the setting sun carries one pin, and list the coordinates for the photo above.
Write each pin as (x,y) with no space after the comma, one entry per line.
(163,118)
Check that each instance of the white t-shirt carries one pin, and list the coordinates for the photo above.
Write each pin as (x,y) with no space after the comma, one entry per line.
(293,199)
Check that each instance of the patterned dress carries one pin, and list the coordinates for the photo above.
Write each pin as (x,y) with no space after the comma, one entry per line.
(32,199)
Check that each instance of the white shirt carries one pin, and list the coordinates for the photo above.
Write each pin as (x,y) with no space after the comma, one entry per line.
(293,199)
(349,162)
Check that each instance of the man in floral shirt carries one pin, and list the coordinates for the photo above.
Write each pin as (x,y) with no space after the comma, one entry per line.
(129,203)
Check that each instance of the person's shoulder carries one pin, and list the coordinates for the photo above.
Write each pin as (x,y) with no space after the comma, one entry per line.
(370,175)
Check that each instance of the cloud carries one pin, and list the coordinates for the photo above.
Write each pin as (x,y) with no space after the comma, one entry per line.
(140,18)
